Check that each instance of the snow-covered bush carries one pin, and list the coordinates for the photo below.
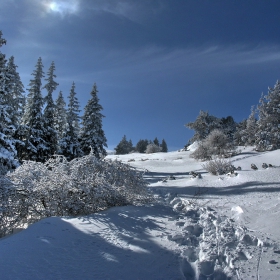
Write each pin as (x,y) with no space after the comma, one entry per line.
(152,148)
(61,188)
(201,152)
(218,166)
(216,143)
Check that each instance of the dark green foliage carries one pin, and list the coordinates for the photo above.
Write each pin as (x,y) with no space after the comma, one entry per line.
(50,135)
(124,147)
(35,146)
(163,146)
(156,142)
(141,146)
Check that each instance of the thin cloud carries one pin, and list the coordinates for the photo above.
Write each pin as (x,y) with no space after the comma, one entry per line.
(137,11)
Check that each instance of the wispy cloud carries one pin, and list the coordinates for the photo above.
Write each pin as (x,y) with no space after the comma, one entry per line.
(136,11)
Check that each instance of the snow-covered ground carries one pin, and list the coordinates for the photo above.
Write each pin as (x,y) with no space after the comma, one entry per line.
(214,227)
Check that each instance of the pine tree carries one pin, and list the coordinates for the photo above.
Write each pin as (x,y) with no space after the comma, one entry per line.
(50,135)
(60,116)
(238,137)
(228,126)
(124,147)
(163,146)
(69,144)
(156,142)
(33,123)
(249,133)
(16,89)
(141,146)
(92,134)
(16,101)
(268,131)
(8,154)
(203,125)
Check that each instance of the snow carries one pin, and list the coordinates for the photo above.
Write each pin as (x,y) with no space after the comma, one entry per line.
(213,227)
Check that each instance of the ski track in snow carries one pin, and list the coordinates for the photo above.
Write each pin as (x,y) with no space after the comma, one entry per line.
(213,228)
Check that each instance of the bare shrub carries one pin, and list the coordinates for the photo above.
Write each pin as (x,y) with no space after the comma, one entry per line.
(61,188)
(218,166)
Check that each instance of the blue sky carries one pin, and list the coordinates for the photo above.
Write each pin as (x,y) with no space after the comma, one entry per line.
(156,63)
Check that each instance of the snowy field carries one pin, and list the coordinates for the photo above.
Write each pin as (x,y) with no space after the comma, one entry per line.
(213,227)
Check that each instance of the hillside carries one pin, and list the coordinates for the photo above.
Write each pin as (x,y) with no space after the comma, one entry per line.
(220,227)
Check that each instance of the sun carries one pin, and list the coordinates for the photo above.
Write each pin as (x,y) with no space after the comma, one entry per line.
(62,6)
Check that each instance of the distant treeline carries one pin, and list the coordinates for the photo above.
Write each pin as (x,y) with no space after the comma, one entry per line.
(143,146)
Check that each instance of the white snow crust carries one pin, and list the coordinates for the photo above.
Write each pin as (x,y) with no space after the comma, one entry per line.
(213,227)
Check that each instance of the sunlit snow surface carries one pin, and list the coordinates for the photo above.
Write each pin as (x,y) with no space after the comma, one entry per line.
(215,227)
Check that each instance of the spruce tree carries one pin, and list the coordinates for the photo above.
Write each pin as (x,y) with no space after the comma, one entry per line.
(60,116)
(124,147)
(16,101)
(8,154)
(35,145)
(203,125)
(268,131)
(156,142)
(16,89)
(69,144)
(50,135)
(141,146)
(249,133)
(92,134)
(163,146)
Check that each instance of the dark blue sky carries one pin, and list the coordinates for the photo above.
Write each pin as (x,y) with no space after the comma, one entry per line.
(156,63)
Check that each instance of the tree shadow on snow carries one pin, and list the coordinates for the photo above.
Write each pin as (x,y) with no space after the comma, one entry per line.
(118,243)
(210,192)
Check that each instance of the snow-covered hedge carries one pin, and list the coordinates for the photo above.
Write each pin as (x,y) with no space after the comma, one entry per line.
(61,188)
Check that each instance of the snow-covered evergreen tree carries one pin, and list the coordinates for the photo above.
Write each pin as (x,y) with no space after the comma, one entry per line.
(33,123)
(249,133)
(268,131)
(50,135)
(228,126)
(16,89)
(239,133)
(203,125)
(92,134)
(69,144)
(16,100)
(8,154)
(60,116)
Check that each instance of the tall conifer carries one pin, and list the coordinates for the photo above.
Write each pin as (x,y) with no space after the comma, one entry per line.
(35,145)
(69,144)
(50,135)
(92,134)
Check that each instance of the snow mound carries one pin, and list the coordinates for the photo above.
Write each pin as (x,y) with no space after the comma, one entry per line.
(193,146)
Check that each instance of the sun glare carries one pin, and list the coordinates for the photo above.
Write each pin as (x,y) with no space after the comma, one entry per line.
(62,6)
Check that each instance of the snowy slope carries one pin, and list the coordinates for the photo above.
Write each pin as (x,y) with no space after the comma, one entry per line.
(216,227)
